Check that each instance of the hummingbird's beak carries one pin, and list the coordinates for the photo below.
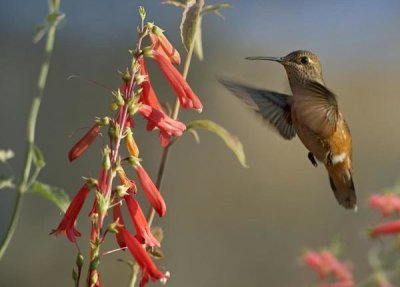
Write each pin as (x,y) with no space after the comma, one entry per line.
(274,59)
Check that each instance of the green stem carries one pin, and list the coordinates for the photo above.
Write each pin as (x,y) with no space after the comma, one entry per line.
(24,184)
(165,154)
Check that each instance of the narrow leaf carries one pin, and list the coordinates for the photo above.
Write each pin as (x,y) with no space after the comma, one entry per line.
(230,140)
(6,182)
(198,42)
(190,21)
(6,155)
(54,194)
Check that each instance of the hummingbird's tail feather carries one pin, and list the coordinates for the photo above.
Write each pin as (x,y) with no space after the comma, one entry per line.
(342,185)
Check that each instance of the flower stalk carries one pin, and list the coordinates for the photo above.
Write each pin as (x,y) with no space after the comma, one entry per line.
(28,177)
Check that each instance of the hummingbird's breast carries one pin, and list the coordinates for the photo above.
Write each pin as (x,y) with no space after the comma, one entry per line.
(338,145)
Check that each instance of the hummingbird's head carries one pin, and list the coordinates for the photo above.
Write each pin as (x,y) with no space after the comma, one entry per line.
(301,66)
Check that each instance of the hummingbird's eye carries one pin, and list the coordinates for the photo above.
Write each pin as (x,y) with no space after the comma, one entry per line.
(304,60)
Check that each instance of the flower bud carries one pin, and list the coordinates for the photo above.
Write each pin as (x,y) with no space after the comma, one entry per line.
(79,260)
(106,158)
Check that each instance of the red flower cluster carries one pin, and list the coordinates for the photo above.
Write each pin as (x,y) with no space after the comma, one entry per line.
(386,204)
(326,264)
(136,96)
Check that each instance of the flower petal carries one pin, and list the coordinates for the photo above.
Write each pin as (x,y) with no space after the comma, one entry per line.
(142,228)
(148,268)
(186,96)
(82,145)
(150,191)
(66,226)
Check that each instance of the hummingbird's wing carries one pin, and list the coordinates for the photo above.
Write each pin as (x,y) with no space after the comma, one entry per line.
(274,107)
(317,108)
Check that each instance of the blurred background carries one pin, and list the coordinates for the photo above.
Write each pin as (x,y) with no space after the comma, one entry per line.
(225,225)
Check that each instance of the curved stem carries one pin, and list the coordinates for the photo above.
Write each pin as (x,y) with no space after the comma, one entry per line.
(24,184)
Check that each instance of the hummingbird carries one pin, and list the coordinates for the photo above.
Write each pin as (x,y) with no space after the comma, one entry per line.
(312,113)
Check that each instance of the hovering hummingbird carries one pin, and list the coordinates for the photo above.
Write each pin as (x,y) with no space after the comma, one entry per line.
(312,113)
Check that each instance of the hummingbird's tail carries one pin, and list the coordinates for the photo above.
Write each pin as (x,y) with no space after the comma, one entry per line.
(341,181)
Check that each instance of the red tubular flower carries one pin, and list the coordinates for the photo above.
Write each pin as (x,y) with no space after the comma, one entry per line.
(187,98)
(148,268)
(82,145)
(388,228)
(142,228)
(163,46)
(324,263)
(66,226)
(313,259)
(168,127)
(118,216)
(150,191)
(386,203)
(148,96)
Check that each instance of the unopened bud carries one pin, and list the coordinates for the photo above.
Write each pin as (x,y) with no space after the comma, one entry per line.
(74,275)
(114,107)
(104,121)
(106,158)
(79,260)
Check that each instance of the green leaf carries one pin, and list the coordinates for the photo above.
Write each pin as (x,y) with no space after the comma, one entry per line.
(190,22)
(6,155)
(40,31)
(230,140)
(6,182)
(54,194)
(38,158)
(198,42)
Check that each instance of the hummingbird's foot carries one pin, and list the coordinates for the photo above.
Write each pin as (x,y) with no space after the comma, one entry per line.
(312,159)
(329,159)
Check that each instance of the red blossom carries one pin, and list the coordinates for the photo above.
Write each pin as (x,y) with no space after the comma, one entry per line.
(82,145)
(163,46)
(387,228)
(67,224)
(150,191)
(386,203)
(148,96)
(142,228)
(168,126)
(187,98)
(325,264)
(118,216)
(148,268)
(313,259)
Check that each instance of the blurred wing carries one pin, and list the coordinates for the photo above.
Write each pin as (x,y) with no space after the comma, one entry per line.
(273,107)
(317,109)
